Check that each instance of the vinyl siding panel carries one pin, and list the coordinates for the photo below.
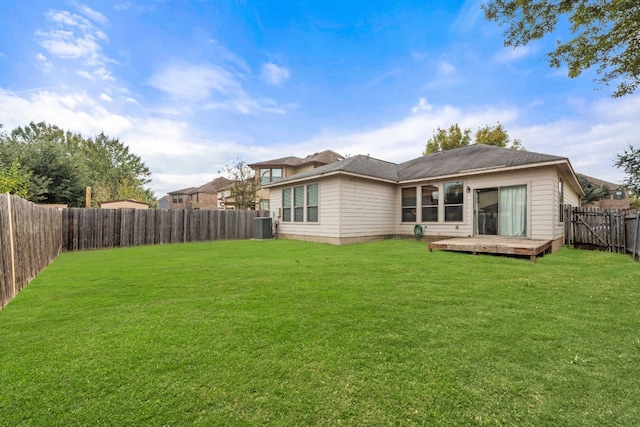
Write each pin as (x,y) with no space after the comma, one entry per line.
(368,208)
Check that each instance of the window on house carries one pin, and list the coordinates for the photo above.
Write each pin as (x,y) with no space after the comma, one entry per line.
(453,201)
(561,200)
(286,204)
(618,195)
(178,198)
(301,204)
(430,203)
(264,204)
(270,175)
(409,204)
(312,203)
(298,204)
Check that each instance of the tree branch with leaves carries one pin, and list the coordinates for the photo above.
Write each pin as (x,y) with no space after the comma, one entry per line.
(605,35)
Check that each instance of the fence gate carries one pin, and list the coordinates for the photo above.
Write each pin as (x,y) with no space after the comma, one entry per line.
(609,230)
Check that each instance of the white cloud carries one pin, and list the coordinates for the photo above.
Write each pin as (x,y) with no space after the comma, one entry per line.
(274,74)
(470,13)
(92,14)
(221,88)
(446,76)
(106,97)
(195,82)
(228,57)
(423,105)
(74,37)
(511,54)
(447,68)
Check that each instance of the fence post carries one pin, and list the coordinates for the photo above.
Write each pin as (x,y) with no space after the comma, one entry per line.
(11,247)
(612,230)
(635,235)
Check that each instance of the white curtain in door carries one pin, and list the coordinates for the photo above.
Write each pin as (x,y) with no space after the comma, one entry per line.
(512,211)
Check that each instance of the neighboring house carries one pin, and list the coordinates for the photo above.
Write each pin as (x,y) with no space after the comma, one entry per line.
(163,202)
(123,204)
(478,190)
(274,170)
(203,197)
(617,199)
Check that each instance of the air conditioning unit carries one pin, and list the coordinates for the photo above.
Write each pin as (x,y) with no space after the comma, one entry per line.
(262,228)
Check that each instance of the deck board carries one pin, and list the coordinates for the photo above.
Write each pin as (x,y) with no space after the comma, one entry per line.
(494,245)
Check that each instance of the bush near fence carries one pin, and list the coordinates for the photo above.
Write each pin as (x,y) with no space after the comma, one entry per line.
(31,236)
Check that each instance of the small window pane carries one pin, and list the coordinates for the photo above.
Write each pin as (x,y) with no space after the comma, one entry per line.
(276,174)
(453,213)
(312,214)
(408,197)
(298,204)
(286,204)
(265,176)
(312,203)
(454,193)
(430,203)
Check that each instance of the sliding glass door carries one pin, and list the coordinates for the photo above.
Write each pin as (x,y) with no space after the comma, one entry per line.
(501,211)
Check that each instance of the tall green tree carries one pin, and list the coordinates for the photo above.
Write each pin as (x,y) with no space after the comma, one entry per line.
(114,172)
(448,139)
(604,35)
(57,176)
(244,189)
(497,136)
(629,161)
(62,164)
(454,137)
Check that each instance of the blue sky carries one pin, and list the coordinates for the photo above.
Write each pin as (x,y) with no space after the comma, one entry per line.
(191,86)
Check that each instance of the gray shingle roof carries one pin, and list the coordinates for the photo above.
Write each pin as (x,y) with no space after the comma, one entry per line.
(359,165)
(323,157)
(467,159)
(451,162)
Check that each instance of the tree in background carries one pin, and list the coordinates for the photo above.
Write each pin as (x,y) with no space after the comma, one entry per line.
(57,176)
(629,160)
(13,180)
(114,172)
(454,137)
(62,164)
(592,192)
(244,189)
(605,35)
(448,139)
(497,136)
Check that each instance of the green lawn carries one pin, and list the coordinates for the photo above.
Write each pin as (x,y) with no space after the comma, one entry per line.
(294,333)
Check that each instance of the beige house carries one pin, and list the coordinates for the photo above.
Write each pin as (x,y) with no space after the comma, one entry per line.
(618,196)
(123,204)
(207,196)
(477,190)
(271,171)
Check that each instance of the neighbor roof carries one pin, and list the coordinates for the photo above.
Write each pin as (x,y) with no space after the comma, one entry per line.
(323,157)
(473,158)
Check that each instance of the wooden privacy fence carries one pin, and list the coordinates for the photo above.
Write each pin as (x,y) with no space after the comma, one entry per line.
(110,228)
(30,238)
(610,230)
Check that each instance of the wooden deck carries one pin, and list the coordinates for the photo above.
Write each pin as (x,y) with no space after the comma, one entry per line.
(494,245)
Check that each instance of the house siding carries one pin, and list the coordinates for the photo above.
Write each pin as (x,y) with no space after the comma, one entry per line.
(368,208)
